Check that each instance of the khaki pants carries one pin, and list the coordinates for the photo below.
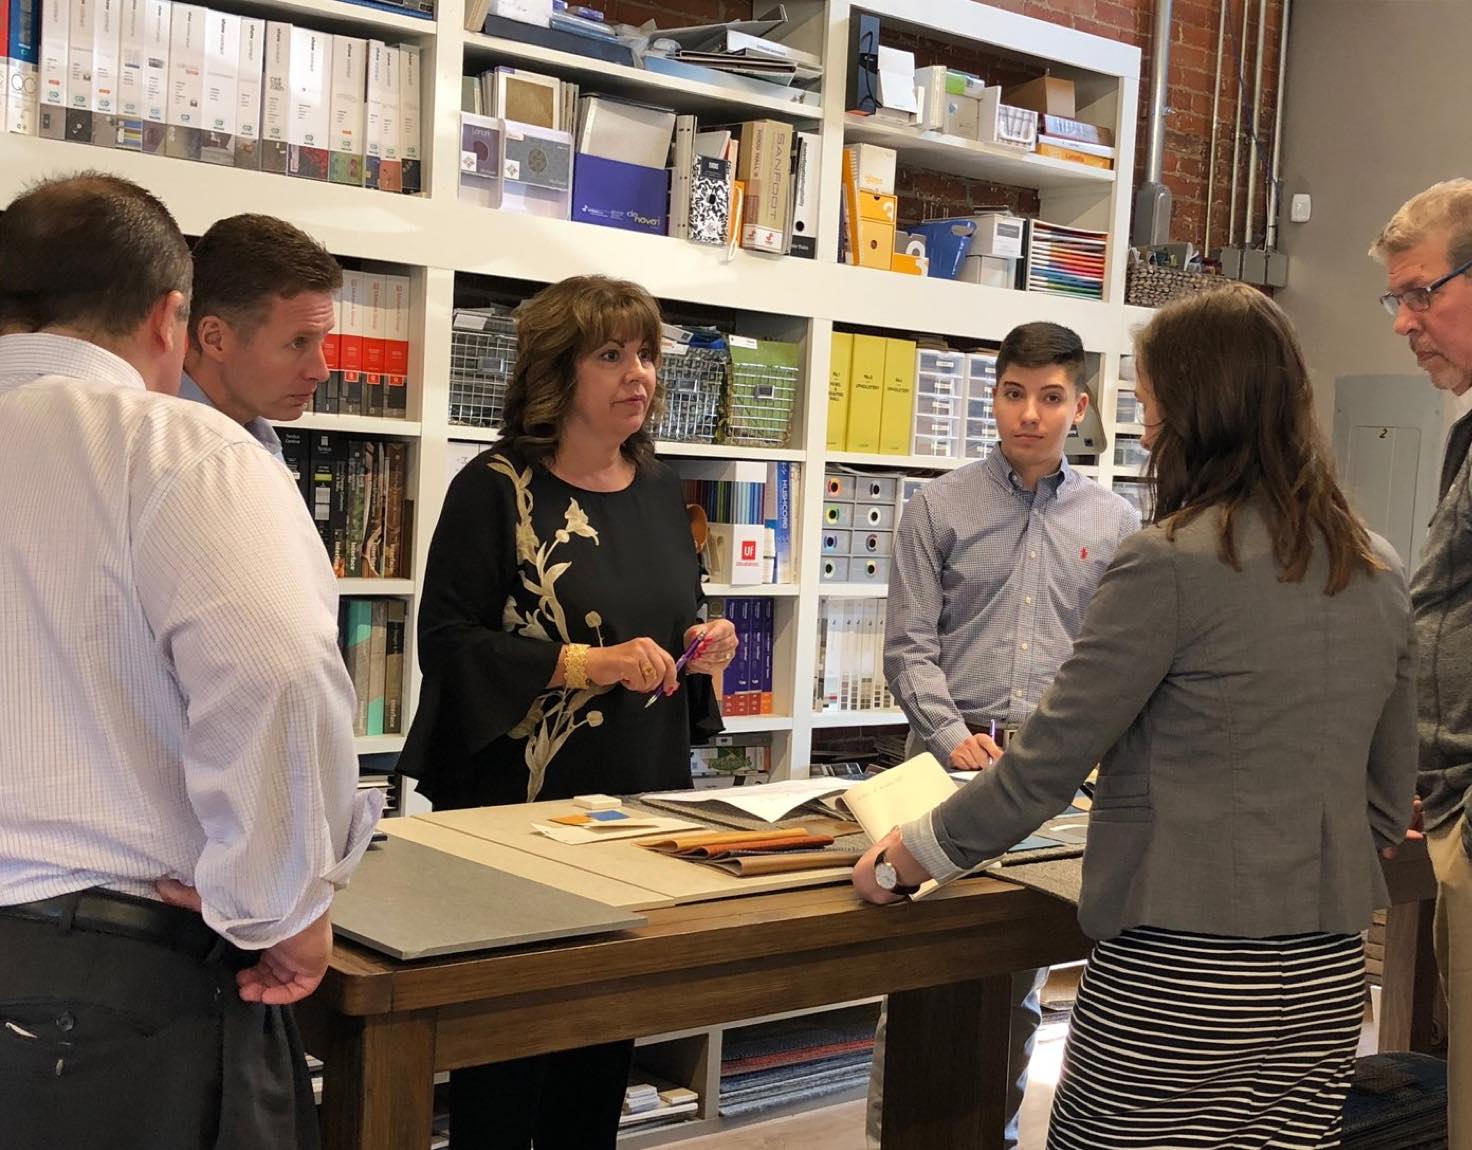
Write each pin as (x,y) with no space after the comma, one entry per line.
(1027,990)
(1454,956)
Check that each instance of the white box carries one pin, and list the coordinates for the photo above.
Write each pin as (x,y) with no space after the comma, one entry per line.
(22,105)
(348,110)
(876,168)
(410,122)
(960,115)
(997,234)
(391,166)
(132,53)
(735,553)
(373,133)
(158,23)
(79,72)
(1003,124)
(221,64)
(311,86)
(187,47)
(107,31)
(538,12)
(989,271)
(276,99)
(55,59)
(249,77)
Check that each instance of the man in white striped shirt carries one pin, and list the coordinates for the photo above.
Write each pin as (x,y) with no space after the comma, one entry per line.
(177,798)
(994,565)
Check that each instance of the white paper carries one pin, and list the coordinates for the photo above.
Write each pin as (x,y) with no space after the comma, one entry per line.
(631,828)
(768,801)
(897,80)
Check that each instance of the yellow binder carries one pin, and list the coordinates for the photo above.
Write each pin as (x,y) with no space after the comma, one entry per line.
(898,417)
(838,389)
(866,393)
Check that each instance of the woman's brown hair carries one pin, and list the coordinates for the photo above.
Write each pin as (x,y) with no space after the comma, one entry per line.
(1235,409)
(554,329)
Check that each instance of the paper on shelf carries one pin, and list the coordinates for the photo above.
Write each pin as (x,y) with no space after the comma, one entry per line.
(770,801)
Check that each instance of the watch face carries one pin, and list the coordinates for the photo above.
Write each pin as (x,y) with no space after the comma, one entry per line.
(886,876)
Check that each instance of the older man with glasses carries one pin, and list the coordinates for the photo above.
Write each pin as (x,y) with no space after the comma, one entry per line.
(1427,252)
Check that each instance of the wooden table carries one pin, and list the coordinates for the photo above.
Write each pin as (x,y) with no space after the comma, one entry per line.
(384,1028)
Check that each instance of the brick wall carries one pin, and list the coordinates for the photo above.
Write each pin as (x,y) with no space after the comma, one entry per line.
(1188,127)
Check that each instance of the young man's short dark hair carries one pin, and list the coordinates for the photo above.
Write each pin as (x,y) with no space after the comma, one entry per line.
(244,262)
(1043,345)
(90,251)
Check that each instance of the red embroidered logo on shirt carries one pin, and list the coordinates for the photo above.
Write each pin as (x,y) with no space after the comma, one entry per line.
(1083,553)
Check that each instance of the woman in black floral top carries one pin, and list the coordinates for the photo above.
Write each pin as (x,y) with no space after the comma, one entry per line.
(561,588)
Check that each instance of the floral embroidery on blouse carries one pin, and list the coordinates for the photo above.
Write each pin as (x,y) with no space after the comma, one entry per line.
(553,715)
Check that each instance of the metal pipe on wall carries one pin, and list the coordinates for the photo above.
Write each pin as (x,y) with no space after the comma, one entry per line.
(1159,87)
(1241,55)
(1216,111)
(1275,183)
(1252,154)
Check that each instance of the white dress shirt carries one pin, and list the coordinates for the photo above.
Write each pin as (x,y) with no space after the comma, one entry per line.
(174,701)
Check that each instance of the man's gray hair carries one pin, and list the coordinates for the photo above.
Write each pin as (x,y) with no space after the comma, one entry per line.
(1442,210)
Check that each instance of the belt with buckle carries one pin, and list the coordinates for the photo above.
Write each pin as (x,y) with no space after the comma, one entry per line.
(107,912)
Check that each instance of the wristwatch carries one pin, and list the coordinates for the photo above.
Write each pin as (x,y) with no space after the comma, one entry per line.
(888,878)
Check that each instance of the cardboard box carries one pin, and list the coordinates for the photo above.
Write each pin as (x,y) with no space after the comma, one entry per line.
(961,116)
(1047,96)
(997,234)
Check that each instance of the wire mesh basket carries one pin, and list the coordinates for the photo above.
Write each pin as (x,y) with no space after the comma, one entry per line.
(692,379)
(762,394)
(482,358)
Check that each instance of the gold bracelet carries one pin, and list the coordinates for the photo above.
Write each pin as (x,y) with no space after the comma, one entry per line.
(575,666)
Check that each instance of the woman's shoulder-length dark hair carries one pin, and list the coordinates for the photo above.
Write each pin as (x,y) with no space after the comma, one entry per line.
(1236,424)
(554,329)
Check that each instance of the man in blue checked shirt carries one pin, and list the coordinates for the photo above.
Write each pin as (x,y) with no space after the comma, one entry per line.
(994,565)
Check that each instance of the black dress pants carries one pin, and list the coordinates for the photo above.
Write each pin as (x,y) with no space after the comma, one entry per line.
(117,1043)
(569,1100)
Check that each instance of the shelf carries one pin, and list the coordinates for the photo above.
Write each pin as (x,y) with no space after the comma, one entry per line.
(698,97)
(1129,470)
(756,724)
(975,160)
(727,451)
(901,462)
(853,590)
(762,590)
(378,744)
(1135,429)
(474,434)
(340,16)
(661,447)
(375,587)
(356,424)
(1136,317)
(893,301)
(879,718)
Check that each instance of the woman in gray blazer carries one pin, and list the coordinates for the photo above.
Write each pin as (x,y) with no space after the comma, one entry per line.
(1244,680)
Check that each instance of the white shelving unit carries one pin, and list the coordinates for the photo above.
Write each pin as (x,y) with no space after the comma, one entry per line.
(435,237)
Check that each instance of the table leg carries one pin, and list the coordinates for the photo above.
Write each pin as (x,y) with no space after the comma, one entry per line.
(1410,984)
(945,1066)
(378,1081)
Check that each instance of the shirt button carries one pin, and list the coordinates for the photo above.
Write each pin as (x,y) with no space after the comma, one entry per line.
(66,1021)
(1032,554)
(1024,646)
(1027,599)
(1018,692)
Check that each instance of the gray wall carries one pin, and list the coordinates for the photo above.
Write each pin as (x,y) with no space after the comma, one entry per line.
(1376,108)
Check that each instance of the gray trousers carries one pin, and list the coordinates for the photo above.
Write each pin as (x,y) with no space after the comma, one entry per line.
(1027,988)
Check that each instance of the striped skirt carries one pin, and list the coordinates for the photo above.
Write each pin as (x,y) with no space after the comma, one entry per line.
(1183,1040)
